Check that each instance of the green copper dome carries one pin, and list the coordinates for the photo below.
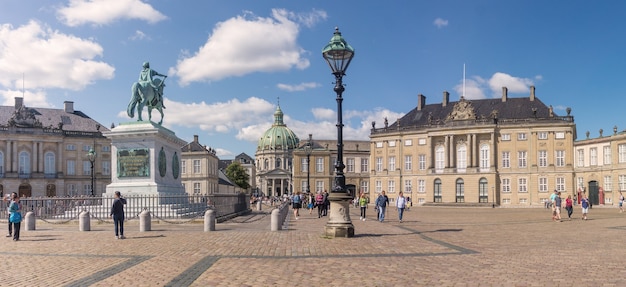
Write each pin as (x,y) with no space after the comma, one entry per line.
(279,136)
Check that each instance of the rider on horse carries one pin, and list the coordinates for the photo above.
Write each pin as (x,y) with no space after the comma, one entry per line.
(145,80)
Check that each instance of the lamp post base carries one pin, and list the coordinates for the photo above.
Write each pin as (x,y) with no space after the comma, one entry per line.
(339,223)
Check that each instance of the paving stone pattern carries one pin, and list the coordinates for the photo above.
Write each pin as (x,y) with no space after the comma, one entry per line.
(434,246)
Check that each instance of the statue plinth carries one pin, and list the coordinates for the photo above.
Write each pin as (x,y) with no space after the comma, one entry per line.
(339,223)
(145,160)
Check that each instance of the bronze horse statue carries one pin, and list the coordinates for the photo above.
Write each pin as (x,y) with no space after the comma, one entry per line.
(144,95)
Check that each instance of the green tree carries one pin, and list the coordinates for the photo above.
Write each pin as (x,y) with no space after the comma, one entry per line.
(237,174)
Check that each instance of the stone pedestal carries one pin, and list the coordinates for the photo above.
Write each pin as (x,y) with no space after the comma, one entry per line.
(145,160)
(339,223)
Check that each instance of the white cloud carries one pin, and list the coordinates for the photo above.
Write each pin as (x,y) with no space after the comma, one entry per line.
(324,114)
(31,99)
(309,19)
(513,84)
(139,35)
(221,117)
(243,45)
(46,58)
(297,88)
(102,12)
(439,22)
(473,88)
(479,88)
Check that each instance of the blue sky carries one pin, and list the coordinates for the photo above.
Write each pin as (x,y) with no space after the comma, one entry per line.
(229,62)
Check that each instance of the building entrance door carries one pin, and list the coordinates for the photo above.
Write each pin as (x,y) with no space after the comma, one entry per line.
(593,193)
(24,190)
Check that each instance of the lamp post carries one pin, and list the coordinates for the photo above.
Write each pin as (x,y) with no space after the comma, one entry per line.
(91,155)
(308,148)
(92,159)
(338,55)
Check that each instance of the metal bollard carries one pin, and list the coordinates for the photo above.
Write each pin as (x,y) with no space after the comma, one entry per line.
(258,205)
(275,222)
(145,221)
(84,222)
(209,220)
(29,220)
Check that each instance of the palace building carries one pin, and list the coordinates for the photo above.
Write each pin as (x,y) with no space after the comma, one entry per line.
(499,151)
(44,152)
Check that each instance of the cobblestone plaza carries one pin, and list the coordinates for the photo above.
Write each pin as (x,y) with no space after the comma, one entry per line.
(434,246)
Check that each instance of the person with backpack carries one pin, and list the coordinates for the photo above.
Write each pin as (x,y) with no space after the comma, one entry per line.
(16,215)
(381,204)
(363,201)
(319,202)
(296,202)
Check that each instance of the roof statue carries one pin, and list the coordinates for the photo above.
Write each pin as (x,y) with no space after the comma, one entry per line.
(147,92)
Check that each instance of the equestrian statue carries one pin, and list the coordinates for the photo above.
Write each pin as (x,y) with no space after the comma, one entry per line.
(147,92)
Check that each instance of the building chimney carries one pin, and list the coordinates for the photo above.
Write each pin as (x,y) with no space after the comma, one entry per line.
(446,96)
(421,102)
(195,138)
(504,94)
(532,93)
(19,102)
(69,107)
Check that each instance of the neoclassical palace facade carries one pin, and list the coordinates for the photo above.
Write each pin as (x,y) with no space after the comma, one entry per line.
(503,151)
(44,152)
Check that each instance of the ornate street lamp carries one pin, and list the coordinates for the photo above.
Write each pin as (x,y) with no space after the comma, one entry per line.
(308,148)
(92,159)
(338,55)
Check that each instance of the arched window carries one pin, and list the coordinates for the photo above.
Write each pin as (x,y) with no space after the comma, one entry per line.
(266,164)
(484,157)
(461,158)
(278,164)
(483,191)
(440,158)
(437,190)
(460,190)
(24,163)
(49,163)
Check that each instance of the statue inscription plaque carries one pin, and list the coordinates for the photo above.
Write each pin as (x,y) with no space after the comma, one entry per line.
(133,162)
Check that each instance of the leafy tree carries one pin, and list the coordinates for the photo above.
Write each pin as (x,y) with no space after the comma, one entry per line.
(237,174)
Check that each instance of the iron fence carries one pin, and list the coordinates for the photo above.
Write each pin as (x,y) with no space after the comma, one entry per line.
(163,206)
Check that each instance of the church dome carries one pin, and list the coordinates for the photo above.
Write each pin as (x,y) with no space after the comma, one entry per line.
(279,136)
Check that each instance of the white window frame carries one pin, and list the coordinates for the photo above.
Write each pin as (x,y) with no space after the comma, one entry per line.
(542,135)
(392,163)
(560,184)
(522,185)
(608,183)
(379,163)
(440,158)
(365,162)
(350,164)
(543,184)
(485,161)
(506,185)
(506,159)
(559,158)
(543,158)
(391,186)
(607,155)
(408,186)
(461,158)
(421,186)
(522,159)
(559,135)
(422,161)
(319,164)
(580,157)
(593,156)
(521,136)
(506,137)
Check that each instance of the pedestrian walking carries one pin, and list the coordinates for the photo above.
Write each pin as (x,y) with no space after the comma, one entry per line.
(15,217)
(296,202)
(381,204)
(117,212)
(569,206)
(319,202)
(621,202)
(557,207)
(584,204)
(400,205)
(7,200)
(311,202)
(326,203)
(363,201)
